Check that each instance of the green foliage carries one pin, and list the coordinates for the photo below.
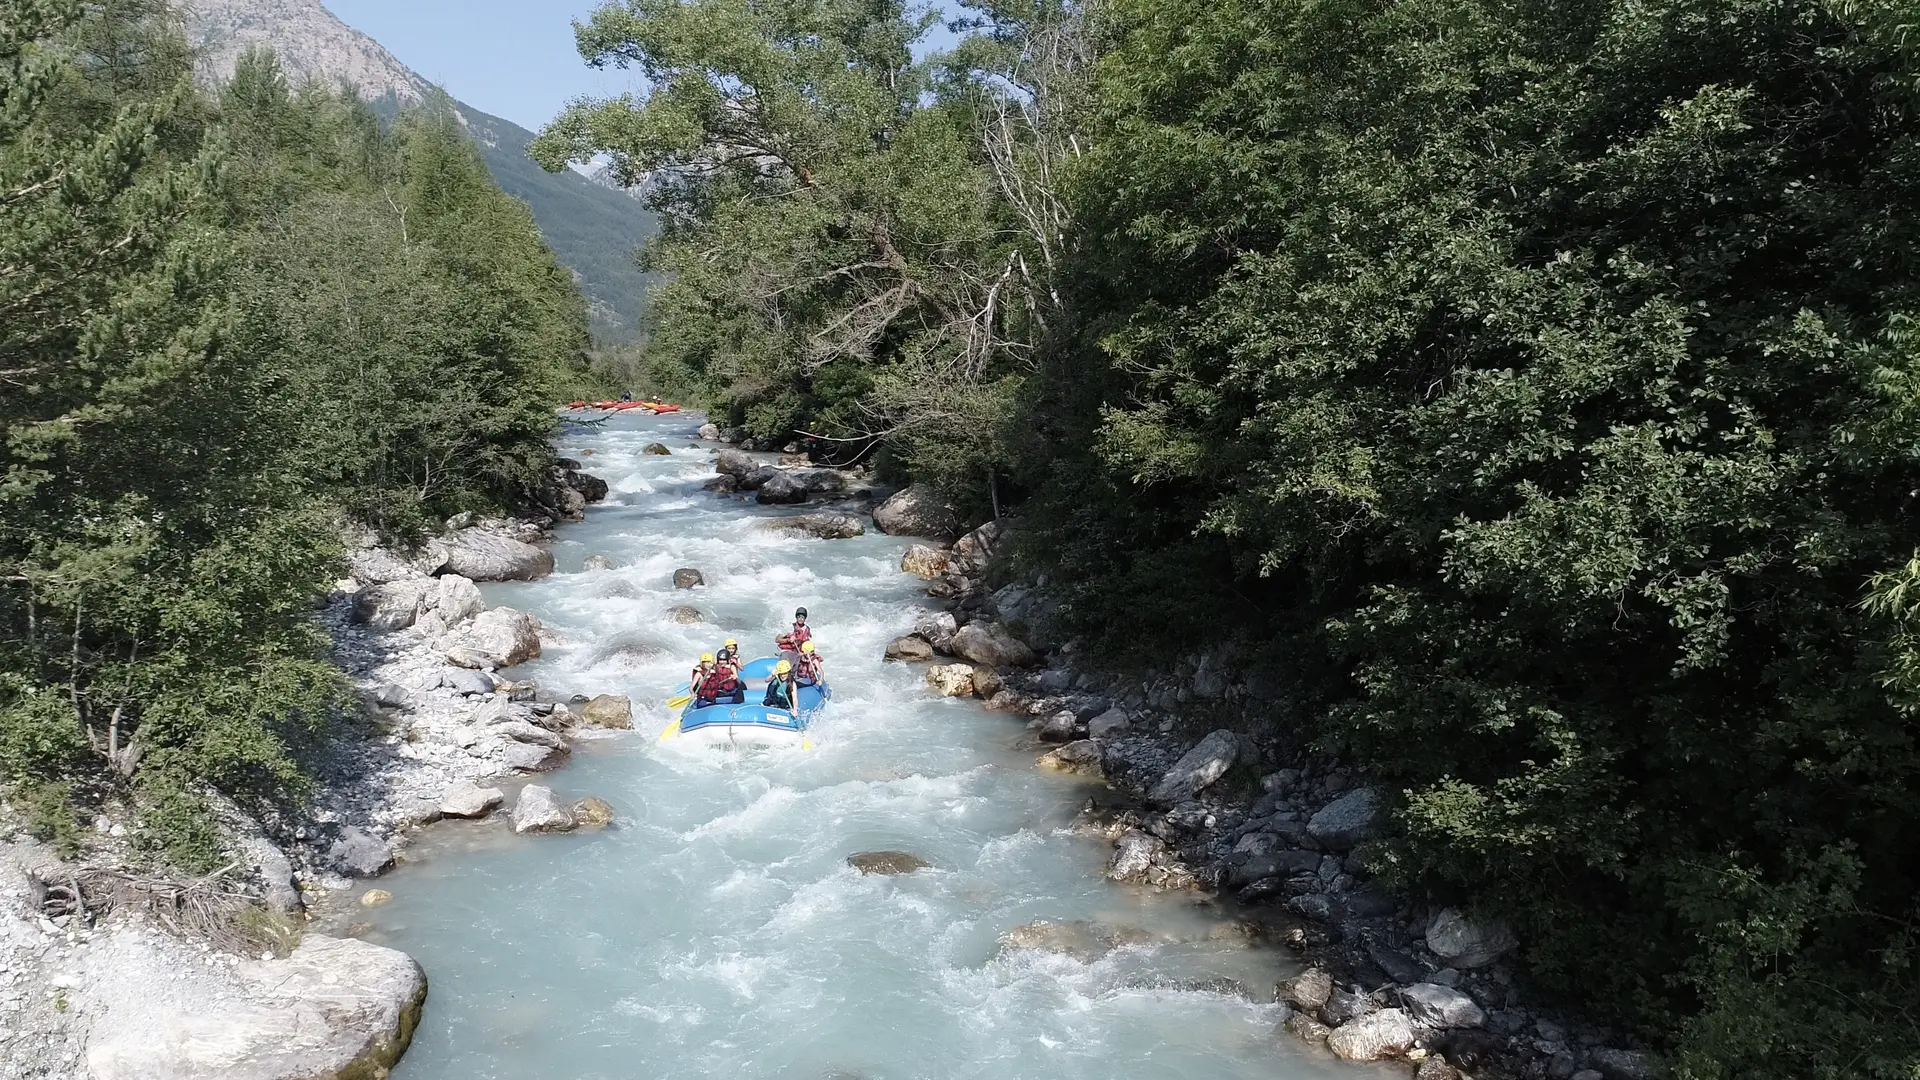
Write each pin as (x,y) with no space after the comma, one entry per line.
(230,322)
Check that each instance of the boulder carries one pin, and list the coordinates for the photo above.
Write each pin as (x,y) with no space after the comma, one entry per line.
(1308,990)
(532,734)
(1084,941)
(937,629)
(986,681)
(756,479)
(951,680)
(1056,727)
(1274,864)
(1307,1028)
(591,488)
(1375,1037)
(657,450)
(886,862)
(683,615)
(1442,1007)
(927,563)
(593,812)
(709,432)
(449,601)
(393,696)
(1345,1006)
(378,566)
(566,502)
(991,644)
(1081,758)
(334,1008)
(916,511)
(722,485)
(376,898)
(688,578)
(505,636)
(1436,1068)
(1465,943)
(470,683)
(468,800)
(733,463)
(1621,1064)
(360,853)
(391,606)
(538,811)
(824,526)
(1197,769)
(909,649)
(608,711)
(781,489)
(972,552)
(486,555)
(530,757)
(1135,855)
(597,562)
(1107,724)
(1346,820)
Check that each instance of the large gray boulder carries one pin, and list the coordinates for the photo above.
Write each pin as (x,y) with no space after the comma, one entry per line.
(468,800)
(909,650)
(1084,757)
(916,512)
(394,605)
(486,555)
(538,811)
(499,638)
(937,629)
(610,711)
(449,601)
(734,463)
(923,562)
(1442,1006)
(334,1008)
(1197,769)
(822,526)
(972,552)
(781,489)
(360,853)
(1346,820)
(1466,943)
(991,644)
(1374,1037)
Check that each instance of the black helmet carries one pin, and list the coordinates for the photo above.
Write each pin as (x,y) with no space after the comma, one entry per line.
(801,614)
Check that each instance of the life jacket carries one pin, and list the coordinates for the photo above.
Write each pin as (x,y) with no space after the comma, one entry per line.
(719,684)
(779,696)
(801,634)
(807,671)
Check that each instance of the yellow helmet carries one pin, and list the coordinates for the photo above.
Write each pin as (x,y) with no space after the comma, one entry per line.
(706,658)
(732,644)
(782,668)
(806,646)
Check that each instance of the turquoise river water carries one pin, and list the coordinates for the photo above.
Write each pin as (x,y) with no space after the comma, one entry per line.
(718,931)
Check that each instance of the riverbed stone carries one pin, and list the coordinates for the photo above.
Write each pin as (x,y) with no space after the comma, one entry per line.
(1308,990)
(821,526)
(951,680)
(987,682)
(657,450)
(1056,727)
(465,799)
(538,811)
(608,711)
(1374,1037)
(994,645)
(1136,856)
(334,1008)
(1197,769)
(1467,943)
(360,853)
(1307,1029)
(781,489)
(937,629)
(688,578)
(1347,820)
(886,862)
(1436,1068)
(376,898)
(592,812)
(521,731)
(466,682)
(709,432)
(1108,724)
(1082,940)
(927,563)
(1344,1006)
(909,649)
(489,555)
(597,563)
(504,636)
(1442,1007)
(916,511)
(734,463)
(1082,758)
(684,615)
(391,605)
(1616,1064)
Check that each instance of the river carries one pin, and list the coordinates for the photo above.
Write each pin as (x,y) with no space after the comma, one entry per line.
(718,930)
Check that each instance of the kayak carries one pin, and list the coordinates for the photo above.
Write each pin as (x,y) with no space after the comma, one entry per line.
(576,404)
(751,724)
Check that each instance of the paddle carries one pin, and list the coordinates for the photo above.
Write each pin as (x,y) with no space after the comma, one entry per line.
(674,703)
(672,730)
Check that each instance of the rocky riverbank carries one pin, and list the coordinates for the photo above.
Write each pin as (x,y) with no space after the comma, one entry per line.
(1198,795)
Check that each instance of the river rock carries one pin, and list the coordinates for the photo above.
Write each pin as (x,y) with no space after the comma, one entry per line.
(1346,1006)
(688,578)
(487,555)
(393,696)
(886,862)
(924,562)
(503,637)
(469,683)
(820,481)
(390,606)
(532,734)
(1197,769)
(823,526)
(916,511)
(1308,1029)
(530,757)
(1084,941)
(1274,864)
(951,680)
(685,616)
(1442,1007)
(992,644)
(335,1008)
(591,488)
(376,898)
(657,450)
(909,649)
(1135,856)
(1308,990)
(709,432)
(781,489)
(1436,1068)
(972,552)
(1466,943)
(1346,820)
(608,711)
(937,629)
(1621,1064)
(466,799)
(378,566)
(722,485)
(1108,724)
(1376,1037)
(733,463)
(593,812)
(566,502)
(1081,758)
(538,811)
(596,563)
(986,681)
(360,853)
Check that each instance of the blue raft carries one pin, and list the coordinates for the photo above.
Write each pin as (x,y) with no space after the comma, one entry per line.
(752,724)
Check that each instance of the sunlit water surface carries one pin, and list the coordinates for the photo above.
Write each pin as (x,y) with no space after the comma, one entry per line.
(718,930)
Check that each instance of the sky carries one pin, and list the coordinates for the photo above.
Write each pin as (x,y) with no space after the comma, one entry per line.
(512,58)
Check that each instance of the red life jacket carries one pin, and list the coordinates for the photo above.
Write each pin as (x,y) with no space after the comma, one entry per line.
(801,635)
(719,684)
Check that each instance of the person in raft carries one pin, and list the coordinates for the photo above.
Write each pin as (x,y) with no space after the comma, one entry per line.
(722,686)
(730,657)
(700,671)
(796,637)
(780,688)
(809,673)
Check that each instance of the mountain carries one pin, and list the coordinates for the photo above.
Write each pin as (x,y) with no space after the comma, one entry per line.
(594,228)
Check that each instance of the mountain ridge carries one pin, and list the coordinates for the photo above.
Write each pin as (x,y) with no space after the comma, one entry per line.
(594,229)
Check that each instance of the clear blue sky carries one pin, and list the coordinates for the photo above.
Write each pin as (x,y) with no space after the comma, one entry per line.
(512,59)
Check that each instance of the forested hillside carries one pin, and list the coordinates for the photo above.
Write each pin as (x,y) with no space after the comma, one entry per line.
(232,323)
(1528,390)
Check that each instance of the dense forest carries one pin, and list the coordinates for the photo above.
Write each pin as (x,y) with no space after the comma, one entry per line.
(1530,391)
(231,322)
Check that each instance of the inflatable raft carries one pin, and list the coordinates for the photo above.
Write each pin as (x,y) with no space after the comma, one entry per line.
(751,724)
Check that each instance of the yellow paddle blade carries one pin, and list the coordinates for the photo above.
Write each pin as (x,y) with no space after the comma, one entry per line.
(673,729)
(806,744)
(674,703)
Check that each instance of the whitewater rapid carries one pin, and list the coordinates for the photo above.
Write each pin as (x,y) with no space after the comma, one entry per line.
(718,930)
